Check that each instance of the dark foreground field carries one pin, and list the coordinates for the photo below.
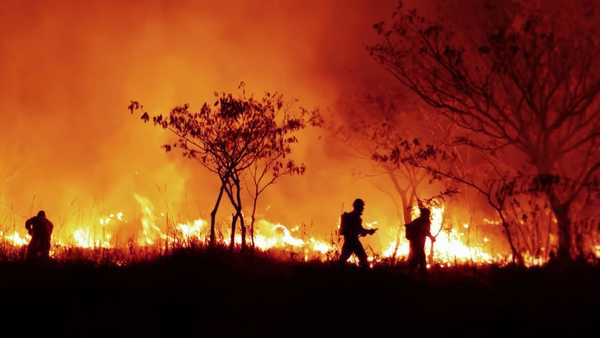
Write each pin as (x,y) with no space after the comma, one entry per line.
(204,294)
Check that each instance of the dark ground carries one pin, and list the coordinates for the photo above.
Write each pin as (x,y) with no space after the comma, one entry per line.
(204,294)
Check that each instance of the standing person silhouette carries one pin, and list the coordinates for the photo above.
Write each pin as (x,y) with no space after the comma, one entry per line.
(351,228)
(40,229)
(417,232)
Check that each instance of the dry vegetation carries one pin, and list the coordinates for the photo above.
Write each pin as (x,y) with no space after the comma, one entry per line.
(195,291)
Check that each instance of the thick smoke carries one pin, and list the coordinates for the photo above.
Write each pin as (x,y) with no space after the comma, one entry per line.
(68,70)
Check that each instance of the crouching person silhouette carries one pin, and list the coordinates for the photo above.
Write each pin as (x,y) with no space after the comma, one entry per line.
(40,229)
(351,228)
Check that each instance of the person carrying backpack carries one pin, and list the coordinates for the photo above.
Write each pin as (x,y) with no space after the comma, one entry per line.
(351,228)
(417,232)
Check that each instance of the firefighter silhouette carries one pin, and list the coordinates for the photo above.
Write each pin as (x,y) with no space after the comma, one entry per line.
(40,229)
(417,232)
(351,228)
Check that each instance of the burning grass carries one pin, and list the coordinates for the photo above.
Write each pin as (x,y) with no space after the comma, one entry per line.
(156,234)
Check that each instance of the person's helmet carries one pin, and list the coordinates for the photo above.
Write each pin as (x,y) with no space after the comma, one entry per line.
(358,203)
(425,211)
(42,213)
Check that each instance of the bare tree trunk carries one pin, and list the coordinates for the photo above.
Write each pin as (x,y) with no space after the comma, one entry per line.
(405,216)
(213,215)
(232,238)
(516,255)
(253,218)
(228,191)
(432,248)
(405,203)
(239,212)
(403,198)
(236,201)
(564,234)
(561,212)
(243,227)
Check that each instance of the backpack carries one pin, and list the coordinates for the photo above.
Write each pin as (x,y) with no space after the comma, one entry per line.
(412,229)
(344,224)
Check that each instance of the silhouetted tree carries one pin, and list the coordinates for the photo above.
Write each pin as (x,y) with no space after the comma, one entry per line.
(445,162)
(529,83)
(532,224)
(230,136)
(272,162)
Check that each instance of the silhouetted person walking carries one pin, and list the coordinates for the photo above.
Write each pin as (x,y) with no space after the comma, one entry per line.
(40,229)
(351,228)
(416,233)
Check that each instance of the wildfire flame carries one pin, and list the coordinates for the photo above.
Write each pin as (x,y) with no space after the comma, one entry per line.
(451,246)
(16,239)
(193,230)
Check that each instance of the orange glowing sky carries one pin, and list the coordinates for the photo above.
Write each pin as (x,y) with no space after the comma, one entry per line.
(68,70)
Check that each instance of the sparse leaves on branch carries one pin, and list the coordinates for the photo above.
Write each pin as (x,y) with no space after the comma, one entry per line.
(235,133)
(529,83)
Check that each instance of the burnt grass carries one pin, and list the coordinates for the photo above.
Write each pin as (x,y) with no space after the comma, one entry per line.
(200,293)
